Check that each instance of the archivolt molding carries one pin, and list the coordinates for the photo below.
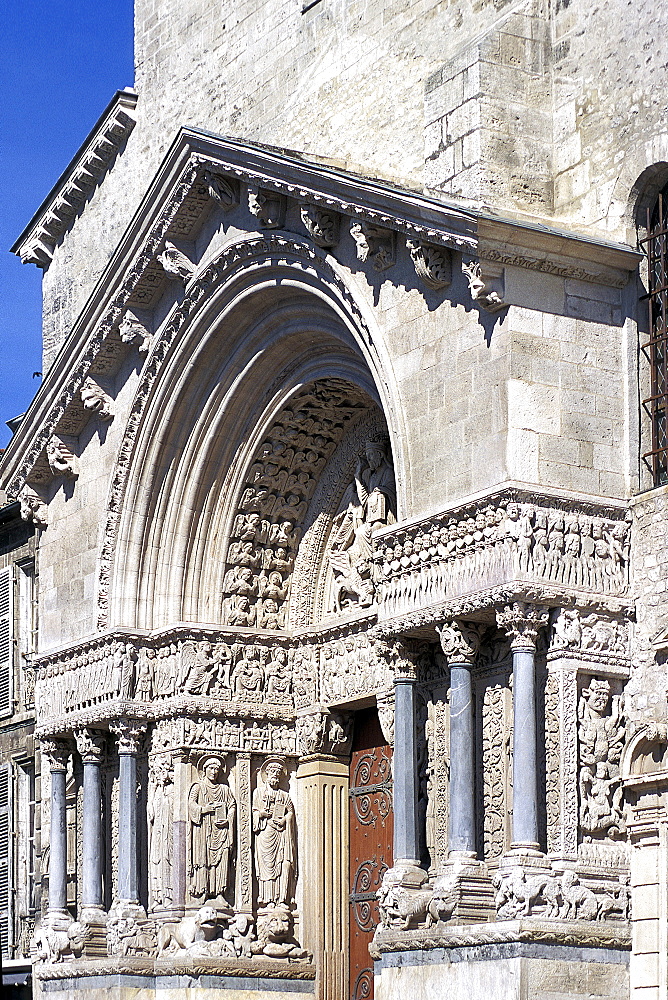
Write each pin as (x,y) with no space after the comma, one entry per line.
(249,256)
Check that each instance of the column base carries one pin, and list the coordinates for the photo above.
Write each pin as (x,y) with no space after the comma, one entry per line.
(127,925)
(463,892)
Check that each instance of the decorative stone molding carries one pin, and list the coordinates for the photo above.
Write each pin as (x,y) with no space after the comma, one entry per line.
(522,622)
(37,243)
(180,963)
(175,264)
(321,225)
(433,264)
(267,206)
(96,400)
(550,895)
(130,735)
(374,243)
(33,508)
(223,189)
(485,284)
(90,746)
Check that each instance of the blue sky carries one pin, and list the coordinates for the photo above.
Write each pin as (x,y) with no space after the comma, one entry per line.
(60,63)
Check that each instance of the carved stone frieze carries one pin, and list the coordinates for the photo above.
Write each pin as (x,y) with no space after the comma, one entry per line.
(465,551)
(321,225)
(352,666)
(374,243)
(323,733)
(433,264)
(593,636)
(551,895)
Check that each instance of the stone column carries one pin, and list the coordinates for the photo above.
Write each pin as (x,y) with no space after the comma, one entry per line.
(464,878)
(91,749)
(406,870)
(522,622)
(56,753)
(130,734)
(460,644)
(323,778)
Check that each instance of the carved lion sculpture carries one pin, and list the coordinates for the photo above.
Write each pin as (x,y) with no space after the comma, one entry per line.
(402,908)
(580,903)
(190,932)
(442,903)
(273,936)
(53,945)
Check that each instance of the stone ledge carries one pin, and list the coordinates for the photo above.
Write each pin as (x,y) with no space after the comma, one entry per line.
(578,933)
(192,967)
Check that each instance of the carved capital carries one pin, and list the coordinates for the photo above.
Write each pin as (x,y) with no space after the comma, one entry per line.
(374,243)
(224,190)
(460,642)
(130,734)
(90,745)
(385,706)
(33,508)
(522,622)
(55,752)
(433,264)
(324,733)
(321,225)
(96,400)
(267,206)
(402,656)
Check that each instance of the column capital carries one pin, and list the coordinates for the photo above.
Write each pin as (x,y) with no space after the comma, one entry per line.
(130,733)
(90,745)
(522,622)
(56,753)
(402,655)
(460,642)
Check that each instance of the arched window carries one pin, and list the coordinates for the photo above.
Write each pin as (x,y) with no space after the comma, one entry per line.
(656,348)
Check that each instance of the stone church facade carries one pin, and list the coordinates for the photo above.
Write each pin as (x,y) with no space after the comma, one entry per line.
(347,497)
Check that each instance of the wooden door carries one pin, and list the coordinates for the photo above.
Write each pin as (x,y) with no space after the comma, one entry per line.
(371,820)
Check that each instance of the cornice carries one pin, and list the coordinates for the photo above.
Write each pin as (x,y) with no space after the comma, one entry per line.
(175,205)
(56,214)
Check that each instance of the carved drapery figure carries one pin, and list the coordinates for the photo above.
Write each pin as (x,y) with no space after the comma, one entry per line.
(212,812)
(275,835)
(601,735)
(368,503)
(159,815)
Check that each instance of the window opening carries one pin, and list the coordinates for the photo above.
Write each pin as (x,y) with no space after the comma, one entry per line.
(656,348)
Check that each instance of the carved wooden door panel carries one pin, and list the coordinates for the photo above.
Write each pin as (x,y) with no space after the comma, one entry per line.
(371,844)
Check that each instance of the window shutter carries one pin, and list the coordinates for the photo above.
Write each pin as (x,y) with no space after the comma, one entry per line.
(6,641)
(5,858)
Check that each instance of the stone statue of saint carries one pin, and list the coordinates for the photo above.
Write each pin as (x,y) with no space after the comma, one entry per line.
(159,814)
(211,811)
(275,835)
(369,502)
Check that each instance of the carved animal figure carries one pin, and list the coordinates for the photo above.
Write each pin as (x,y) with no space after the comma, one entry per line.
(580,903)
(189,931)
(517,893)
(442,903)
(52,945)
(403,908)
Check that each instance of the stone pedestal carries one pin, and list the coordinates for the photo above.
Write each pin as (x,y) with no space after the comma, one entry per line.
(323,783)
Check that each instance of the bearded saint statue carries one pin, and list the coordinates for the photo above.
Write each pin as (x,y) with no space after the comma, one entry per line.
(275,835)
(212,812)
